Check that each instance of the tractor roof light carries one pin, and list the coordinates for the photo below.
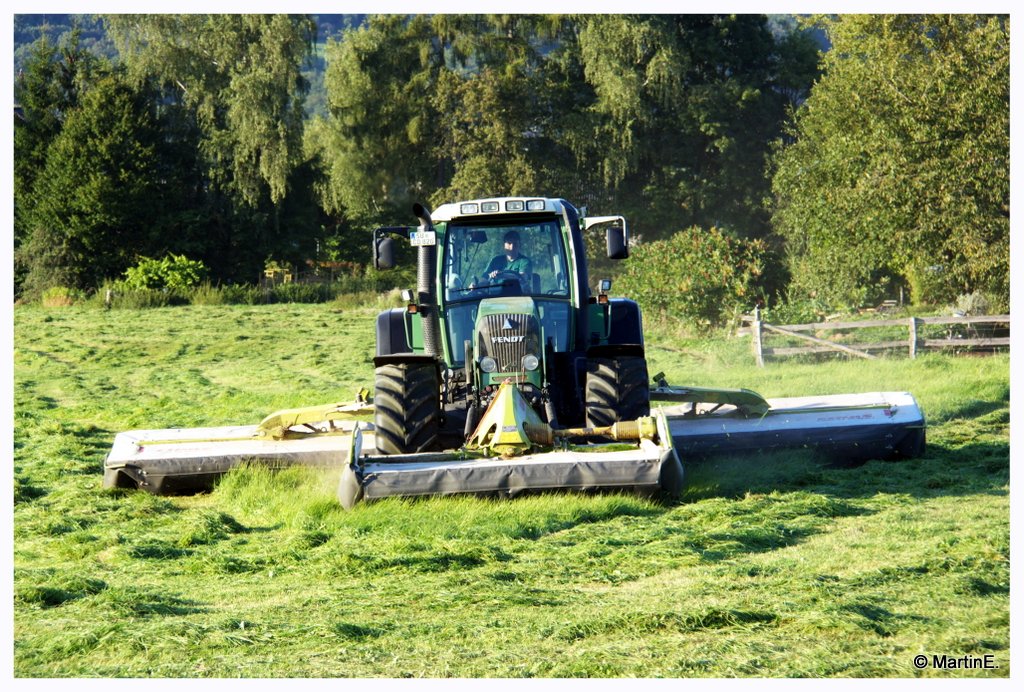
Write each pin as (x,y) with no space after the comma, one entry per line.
(469,208)
(515,205)
(536,205)
(489,207)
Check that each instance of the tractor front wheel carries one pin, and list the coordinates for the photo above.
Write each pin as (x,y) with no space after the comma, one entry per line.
(407,407)
(617,389)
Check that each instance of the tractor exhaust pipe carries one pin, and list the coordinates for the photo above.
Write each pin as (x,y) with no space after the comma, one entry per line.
(426,261)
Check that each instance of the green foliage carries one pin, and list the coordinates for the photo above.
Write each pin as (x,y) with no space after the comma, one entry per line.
(104,192)
(899,172)
(375,146)
(232,92)
(685,107)
(484,118)
(703,277)
(123,297)
(208,294)
(666,118)
(301,293)
(240,75)
(47,89)
(59,296)
(173,272)
(795,311)
(894,175)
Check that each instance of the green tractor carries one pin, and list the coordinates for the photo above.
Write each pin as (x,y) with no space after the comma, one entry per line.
(506,374)
(503,295)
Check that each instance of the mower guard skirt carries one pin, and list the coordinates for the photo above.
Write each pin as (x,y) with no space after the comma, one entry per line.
(649,469)
(842,427)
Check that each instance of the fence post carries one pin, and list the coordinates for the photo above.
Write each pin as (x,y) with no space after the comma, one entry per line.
(913,337)
(757,332)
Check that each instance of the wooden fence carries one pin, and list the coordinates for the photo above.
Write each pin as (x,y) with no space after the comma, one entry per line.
(966,338)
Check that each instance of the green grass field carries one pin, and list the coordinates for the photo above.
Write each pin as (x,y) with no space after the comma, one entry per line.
(770,566)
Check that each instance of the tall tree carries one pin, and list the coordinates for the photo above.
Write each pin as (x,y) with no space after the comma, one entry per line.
(238,79)
(104,193)
(241,75)
(665,118)
(899,172)
(685,109)
(376,143)
(46,90)
(497,110)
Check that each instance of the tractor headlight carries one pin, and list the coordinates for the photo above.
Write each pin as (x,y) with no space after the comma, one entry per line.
(530,362)
(488,364)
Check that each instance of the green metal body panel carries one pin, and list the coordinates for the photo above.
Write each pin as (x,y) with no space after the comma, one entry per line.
(599,323)
(414,332)
(522,305)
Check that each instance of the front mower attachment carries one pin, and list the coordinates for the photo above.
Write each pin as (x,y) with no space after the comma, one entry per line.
(512,452)
(191,459)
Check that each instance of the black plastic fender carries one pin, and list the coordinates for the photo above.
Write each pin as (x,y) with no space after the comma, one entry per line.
(626,322)
(392,336)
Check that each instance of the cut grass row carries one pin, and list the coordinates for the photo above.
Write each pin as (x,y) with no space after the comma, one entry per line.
(776,565)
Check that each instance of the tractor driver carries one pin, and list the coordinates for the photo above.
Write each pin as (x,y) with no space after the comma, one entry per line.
(511,261)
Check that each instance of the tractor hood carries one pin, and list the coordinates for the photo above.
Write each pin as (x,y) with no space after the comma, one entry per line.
(508,340)
(521,305)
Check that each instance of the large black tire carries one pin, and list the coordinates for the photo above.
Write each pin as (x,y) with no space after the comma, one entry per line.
(617,389)
(407,408)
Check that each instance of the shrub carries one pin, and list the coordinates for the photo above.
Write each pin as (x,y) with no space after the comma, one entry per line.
(146,298)
(796,311)
(976,303)
(302,293)
(61,296)
(173,272)
(929,285)
(208,294)
(703,277)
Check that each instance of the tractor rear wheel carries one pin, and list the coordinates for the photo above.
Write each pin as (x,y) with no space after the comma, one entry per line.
(617,389)
(407,407)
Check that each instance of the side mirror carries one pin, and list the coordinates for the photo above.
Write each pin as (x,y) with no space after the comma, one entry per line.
(383,253)
(615,242)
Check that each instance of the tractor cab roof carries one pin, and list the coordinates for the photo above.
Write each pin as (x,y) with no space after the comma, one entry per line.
(497,206)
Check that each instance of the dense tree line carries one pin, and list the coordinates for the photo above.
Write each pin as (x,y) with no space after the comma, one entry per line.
(197,141)
(899,170)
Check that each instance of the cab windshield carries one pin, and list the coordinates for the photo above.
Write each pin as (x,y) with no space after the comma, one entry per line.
(525,259)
